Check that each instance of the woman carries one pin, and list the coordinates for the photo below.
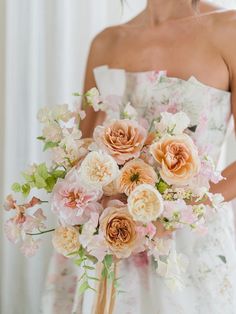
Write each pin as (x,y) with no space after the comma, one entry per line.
(175,55)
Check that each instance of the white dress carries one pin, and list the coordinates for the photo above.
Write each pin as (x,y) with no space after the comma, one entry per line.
(210,280)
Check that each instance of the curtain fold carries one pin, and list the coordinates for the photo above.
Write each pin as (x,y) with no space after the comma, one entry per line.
(43,51)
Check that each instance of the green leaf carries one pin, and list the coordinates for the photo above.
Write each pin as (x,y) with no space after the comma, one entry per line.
(43,171)
(81,252)
(27,177)
(50,183)
(49,145)
(108,261)
(162,186)
(25,189)
(78,262)
(84,286)
(104,272)
(59,173)
(93,259)
(73,253)
(39,181)
(88,267)
(93,278)
(223,258)
(16,187)
(77,94)
(41,138)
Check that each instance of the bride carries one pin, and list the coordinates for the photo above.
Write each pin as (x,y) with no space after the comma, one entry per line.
(175,55)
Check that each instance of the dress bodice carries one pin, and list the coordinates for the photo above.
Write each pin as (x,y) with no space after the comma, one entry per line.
(153,92)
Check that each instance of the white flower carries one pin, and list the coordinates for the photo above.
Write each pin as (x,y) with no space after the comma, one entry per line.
(93,99)
(52,113)
(98,169)
(173,123)
(71,138)
(52,132)
(89,229)
(145,203)
(44,115)
(61,113)
(130,112)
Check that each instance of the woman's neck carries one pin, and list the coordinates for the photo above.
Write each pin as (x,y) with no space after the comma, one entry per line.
(158,11)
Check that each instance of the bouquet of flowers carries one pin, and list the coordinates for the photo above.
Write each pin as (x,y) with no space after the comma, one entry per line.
(114,194)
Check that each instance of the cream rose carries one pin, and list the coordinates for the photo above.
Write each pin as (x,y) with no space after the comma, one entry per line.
(119,230)
(145,203)
(122,139)
(178,157)
(98,169)
(65,240)
(134,173)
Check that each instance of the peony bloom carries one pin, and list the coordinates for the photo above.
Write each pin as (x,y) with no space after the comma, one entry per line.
(122,139)
(178,157)
(119,230)
(98,169)
(72,202)
(134,173)
(65,240)
(145,203)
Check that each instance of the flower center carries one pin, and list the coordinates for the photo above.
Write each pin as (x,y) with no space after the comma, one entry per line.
(135,177)
(176,156)
(72,199)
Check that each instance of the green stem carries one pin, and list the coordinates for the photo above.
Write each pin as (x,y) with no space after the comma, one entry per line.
(41,232)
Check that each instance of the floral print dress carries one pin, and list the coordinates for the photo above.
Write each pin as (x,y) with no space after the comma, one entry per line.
(209,284)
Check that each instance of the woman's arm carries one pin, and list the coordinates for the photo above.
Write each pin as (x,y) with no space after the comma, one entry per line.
(92,118)
(227,41)
(98,55)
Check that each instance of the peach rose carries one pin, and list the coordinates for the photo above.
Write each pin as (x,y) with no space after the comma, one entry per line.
(122,139)
(145,203)
(134,173)
(119,230)
(65,240)
(178,157)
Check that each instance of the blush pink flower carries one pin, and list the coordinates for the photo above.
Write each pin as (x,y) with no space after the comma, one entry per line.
(12,231)
(72,202)
(30,246)
(122,139)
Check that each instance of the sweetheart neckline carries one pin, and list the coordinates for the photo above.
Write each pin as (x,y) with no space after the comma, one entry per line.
(189,80)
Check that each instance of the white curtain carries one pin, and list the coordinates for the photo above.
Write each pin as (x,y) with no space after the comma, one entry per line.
(43,49)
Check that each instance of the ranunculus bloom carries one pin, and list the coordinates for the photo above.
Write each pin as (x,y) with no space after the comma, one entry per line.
(122,139)
(119,230)
(145,203)
(178,157)
(134,173)
(65,240)
(98,169)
